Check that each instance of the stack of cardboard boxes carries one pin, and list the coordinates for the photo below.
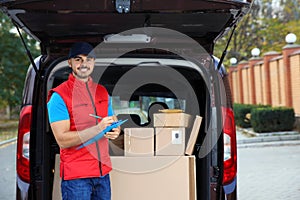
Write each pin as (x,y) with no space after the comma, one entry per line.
(157,162)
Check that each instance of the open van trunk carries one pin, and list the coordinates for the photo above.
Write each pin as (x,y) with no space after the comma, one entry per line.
(173,81)
(160,68)
(57,24)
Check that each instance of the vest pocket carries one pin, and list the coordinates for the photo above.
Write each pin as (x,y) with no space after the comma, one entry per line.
(80,105)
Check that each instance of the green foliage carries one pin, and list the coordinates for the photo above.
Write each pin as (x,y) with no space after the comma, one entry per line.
(13,63)
(264,27)
(274,32)
(272,119)
(242,114)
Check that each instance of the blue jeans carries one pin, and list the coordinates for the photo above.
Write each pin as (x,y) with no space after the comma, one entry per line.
(86,189)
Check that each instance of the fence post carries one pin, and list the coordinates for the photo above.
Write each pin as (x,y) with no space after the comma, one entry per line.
(240,80)
(286,52)
(252,62)
(231,70)
(267,84)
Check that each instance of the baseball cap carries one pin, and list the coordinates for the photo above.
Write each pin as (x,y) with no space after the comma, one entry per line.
(81,48)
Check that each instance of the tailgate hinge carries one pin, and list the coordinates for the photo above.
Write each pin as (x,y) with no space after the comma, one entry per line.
(214,172)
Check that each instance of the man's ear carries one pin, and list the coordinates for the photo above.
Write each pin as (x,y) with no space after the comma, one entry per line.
(69,62)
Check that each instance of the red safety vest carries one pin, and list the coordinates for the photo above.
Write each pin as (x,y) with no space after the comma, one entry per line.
(81,100)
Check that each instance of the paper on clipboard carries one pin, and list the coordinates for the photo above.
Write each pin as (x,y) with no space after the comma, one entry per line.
(102,133)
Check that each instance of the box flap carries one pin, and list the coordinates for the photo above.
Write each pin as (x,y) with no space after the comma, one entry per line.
(193,137)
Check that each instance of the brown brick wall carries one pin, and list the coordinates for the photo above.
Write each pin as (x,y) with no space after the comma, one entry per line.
(274,80)
(245,85)
(252,62)
(265,84)
(258,84)
(282,83)
(249,95)
(271,81)
(235,88)
(286,52)
(231,69)
(295,81)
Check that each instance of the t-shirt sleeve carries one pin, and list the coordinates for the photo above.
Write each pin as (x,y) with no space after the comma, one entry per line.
(110,108)
(57,109)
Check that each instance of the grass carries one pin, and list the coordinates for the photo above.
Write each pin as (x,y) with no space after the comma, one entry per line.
(8,129)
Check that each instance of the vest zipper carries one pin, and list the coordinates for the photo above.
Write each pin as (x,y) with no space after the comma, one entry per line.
(95,112)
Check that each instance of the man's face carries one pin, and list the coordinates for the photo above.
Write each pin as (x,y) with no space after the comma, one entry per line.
(82,66)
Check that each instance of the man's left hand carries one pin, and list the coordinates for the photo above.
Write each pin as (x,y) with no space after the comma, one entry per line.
(115,132)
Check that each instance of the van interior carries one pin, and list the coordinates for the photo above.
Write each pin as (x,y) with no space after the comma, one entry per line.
(161,84)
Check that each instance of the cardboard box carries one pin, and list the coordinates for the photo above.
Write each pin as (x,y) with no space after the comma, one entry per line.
(139,141)
(193,137)
(149,178)
(170,141)
(171,119)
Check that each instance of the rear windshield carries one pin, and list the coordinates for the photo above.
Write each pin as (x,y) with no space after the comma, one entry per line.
(135,88)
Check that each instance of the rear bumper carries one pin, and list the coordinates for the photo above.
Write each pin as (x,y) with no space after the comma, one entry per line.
(22,189)
(230,188)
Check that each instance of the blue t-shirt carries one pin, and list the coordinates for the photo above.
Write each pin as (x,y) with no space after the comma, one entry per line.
(57,109)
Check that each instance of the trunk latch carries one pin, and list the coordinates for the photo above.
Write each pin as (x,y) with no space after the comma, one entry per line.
(123,6)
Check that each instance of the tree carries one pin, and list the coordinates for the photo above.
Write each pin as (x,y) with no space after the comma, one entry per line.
(264,27)
(290,10)
(244,38)
(13,63)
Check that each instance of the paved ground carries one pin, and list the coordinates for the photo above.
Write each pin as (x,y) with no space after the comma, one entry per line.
(269,172)
(268,166)
(8,171)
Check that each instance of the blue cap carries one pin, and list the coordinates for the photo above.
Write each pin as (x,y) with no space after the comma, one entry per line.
(81,48)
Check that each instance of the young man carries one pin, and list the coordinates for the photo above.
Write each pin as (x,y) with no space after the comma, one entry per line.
(85,171)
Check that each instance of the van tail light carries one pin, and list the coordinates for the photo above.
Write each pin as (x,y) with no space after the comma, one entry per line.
(23,170)
(230,149)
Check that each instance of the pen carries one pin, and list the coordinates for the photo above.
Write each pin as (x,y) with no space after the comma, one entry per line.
(92,115)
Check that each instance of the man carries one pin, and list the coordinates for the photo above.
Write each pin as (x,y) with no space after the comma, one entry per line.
(85,171)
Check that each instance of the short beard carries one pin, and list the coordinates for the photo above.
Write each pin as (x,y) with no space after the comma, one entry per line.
(79,76)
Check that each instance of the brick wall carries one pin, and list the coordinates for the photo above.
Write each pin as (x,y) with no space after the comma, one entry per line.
(258,85)
(273,79)
(235,87)
(295,80)
(245,84)
(265,80)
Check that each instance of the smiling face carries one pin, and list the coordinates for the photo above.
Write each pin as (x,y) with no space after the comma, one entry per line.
(82,66)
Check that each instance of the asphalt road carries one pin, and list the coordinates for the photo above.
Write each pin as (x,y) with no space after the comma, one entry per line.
(8,171)
(269,173)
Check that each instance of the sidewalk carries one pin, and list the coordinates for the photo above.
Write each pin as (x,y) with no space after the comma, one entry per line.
(8,141)
(249,138)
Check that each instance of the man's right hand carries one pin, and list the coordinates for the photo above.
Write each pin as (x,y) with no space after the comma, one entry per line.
(105,122)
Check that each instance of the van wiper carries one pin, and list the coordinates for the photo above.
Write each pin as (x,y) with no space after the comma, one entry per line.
(225,50)
(28,53)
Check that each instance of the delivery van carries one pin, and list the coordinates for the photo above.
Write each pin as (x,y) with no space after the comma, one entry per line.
(149,52)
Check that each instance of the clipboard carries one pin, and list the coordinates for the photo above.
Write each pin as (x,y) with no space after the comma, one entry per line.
(102,133)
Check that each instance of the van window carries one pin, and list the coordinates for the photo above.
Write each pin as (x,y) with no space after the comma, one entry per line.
(141,106)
